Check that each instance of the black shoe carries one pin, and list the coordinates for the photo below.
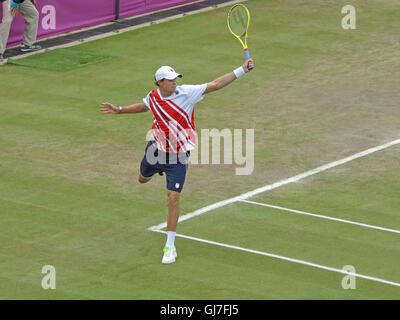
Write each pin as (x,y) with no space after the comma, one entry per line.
(34,47)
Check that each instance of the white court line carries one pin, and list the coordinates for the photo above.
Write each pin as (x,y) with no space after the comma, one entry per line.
(310,264)
(321,216)
(278,184)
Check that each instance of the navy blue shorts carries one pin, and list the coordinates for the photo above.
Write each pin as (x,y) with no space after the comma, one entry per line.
(174,165)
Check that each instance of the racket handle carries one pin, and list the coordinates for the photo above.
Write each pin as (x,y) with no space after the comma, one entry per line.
(247,54)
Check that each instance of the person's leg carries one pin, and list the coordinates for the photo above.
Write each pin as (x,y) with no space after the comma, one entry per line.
(5,25)
(176,175)
(147,169)
(173,210)
(170,254)
(31,17)
(142,179)
(173,216)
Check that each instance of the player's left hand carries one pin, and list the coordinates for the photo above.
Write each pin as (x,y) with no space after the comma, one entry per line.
(107,107)
(247,64)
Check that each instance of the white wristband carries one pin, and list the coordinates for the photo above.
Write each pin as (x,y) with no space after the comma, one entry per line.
(239,72)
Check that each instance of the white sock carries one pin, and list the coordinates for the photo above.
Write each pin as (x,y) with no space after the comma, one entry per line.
(170,239)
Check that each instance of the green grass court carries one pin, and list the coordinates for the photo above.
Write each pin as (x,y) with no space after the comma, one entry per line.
(69,195)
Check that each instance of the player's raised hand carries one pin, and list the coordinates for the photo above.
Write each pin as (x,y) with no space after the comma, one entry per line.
(107,107)
(247,64)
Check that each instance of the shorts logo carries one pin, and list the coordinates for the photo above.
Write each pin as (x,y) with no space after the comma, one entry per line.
(177,185)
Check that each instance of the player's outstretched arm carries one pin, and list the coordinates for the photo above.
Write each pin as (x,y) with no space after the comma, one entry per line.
(228,78)
(107,107)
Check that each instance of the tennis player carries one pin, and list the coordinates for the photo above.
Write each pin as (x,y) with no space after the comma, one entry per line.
(172,135)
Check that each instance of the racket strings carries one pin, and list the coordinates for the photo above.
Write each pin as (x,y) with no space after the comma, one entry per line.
(238,21)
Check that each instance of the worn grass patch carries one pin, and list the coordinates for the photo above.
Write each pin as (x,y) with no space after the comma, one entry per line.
(63,60)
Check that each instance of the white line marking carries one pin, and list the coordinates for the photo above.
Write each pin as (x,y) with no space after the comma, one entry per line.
(310,264)
(321,216)
(278,184)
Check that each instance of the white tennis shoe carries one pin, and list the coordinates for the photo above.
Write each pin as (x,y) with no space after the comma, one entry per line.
(34,47)
(170,255)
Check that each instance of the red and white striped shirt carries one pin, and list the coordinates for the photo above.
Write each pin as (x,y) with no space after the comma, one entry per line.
(173,127)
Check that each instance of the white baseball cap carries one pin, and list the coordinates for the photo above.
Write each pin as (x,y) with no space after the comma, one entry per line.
(166,72)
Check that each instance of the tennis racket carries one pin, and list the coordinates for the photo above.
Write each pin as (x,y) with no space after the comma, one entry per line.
(238,24)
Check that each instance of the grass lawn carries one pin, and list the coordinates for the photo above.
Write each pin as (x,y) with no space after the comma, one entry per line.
(69,195)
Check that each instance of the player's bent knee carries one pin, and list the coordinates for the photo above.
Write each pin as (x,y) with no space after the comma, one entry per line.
(142,179)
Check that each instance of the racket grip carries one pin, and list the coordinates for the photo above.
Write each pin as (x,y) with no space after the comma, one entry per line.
(247,54)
